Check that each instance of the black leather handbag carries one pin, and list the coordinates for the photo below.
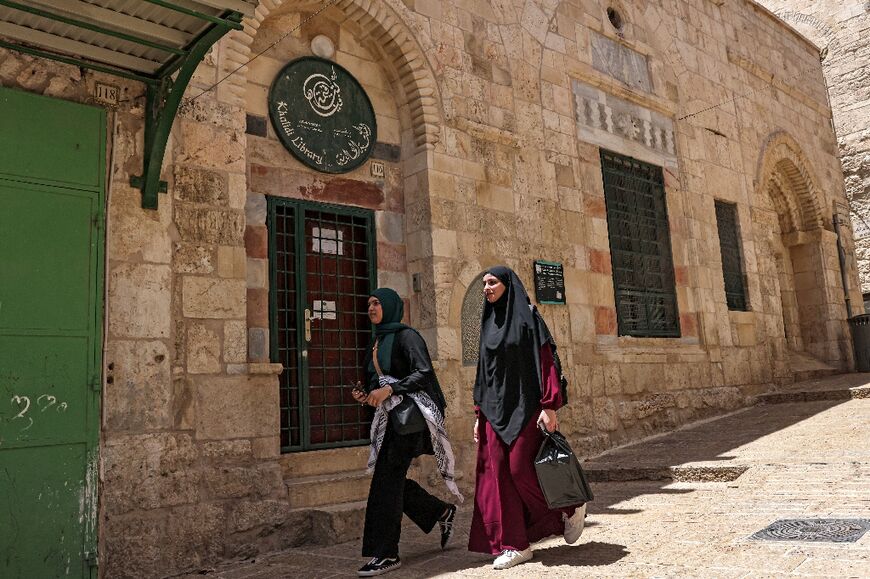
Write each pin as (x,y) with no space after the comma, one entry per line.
(562,480)
(406,417)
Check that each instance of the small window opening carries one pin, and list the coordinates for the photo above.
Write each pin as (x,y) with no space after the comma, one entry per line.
(615,18)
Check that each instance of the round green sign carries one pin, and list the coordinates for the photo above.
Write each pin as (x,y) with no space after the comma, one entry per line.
(322,115)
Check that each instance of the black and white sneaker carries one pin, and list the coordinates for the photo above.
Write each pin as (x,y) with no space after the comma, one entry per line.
(446,524)
(379,566)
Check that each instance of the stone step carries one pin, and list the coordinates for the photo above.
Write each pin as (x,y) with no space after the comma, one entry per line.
(811,395)
(328,461)
(812,374)
(327,489)
(682,473)
(336,524)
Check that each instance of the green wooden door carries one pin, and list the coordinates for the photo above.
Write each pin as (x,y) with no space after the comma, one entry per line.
(51,208)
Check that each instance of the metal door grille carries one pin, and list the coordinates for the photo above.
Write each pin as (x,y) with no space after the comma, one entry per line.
(640,247)
(323,265)
(732,262)
(285,319)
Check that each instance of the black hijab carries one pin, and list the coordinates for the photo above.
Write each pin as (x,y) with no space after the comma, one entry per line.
(512,333)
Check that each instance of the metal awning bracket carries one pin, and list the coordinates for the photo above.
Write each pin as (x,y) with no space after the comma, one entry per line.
(161,106)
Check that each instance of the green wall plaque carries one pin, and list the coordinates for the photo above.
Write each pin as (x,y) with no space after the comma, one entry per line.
(322,115)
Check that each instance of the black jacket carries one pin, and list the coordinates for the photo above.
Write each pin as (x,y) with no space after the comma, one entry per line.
(412,365)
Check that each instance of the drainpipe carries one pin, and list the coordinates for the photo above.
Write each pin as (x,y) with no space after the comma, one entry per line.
(841,253)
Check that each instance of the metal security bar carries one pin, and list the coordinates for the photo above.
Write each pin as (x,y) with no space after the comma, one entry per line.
(732,261)
(322,270)
(640,247)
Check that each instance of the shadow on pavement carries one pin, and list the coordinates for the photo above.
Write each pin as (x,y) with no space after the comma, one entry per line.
(589,554)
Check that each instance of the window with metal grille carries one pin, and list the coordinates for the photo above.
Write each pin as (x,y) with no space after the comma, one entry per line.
(732,261)
(640,247)
(322,271)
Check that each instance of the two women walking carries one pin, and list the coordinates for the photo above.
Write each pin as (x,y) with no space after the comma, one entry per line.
(518,387)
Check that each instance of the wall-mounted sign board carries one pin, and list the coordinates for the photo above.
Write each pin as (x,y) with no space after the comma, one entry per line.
(322,115)
(549,282)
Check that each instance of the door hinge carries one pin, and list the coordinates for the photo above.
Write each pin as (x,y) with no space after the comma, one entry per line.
(96,383)
(91,559)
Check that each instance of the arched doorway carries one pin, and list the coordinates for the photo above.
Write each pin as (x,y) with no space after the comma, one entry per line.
(325,240)
(800,284)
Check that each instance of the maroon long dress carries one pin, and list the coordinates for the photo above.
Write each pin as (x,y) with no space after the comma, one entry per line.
(510,511)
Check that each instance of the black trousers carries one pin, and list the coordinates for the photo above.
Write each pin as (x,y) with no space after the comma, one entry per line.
(392,494)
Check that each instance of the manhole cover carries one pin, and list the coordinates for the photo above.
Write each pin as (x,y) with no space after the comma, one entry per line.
(819,530)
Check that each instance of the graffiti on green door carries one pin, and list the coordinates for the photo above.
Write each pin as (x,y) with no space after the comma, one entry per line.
(51,196)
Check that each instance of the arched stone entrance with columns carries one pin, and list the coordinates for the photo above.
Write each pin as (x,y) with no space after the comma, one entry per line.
(800,275)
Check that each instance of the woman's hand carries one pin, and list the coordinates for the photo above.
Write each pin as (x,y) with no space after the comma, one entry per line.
(476,431)
(548,419)
(377,397)
(358,393)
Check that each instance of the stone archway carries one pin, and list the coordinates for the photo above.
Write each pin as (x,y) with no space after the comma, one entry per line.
(797,243)
(401,50)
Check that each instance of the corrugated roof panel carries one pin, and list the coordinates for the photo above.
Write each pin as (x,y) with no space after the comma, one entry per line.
(139,19)
(84,35)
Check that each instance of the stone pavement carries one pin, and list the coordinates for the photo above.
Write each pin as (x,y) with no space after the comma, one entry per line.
(678,507)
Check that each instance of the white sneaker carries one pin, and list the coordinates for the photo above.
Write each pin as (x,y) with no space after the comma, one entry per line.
(510,557)
(574,524)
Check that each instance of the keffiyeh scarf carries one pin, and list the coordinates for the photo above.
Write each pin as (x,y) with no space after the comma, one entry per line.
(437,431)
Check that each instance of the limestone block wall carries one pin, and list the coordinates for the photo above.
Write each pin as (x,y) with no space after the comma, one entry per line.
(508,171)
(840,29)
(492,115)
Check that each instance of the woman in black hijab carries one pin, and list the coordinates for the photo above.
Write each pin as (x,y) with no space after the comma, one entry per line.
(398,371)
(518,387)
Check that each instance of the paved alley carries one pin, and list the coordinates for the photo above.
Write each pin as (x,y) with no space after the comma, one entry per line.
(680,505)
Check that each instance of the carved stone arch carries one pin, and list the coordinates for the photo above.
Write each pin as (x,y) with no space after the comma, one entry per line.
(784,174)
(380,23)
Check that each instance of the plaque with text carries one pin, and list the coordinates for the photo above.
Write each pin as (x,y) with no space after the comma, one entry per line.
(549,282)
(322,115)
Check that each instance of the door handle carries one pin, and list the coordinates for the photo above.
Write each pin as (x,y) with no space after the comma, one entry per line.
(307,325)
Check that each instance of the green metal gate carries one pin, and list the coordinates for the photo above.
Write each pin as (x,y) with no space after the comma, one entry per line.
(51,210)
(640,247)
(322,270)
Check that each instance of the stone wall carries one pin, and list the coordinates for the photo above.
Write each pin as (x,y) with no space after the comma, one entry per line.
(492,114)
(840,29)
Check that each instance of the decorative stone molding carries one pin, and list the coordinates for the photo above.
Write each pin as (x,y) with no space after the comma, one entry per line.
(784,174)
(622,126)
(378,22)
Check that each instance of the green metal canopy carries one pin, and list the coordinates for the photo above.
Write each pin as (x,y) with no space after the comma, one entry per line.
(158,42)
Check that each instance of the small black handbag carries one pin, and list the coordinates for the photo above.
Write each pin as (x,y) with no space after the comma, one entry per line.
(559,473)
(405,417)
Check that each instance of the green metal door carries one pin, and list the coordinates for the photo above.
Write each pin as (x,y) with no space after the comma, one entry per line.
(322,266)
(51,208)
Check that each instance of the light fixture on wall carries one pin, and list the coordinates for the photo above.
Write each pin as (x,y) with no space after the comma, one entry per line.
(322,46)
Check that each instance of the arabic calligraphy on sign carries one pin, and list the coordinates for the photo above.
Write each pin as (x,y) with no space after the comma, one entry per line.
(322,115)
(323,94)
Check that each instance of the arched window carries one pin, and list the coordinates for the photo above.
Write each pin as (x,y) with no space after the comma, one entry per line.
(472,309)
